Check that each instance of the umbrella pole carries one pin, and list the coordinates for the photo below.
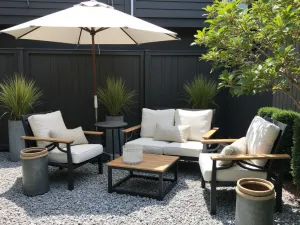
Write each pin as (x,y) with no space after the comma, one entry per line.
(94,73)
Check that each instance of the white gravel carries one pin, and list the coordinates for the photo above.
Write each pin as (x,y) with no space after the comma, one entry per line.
(89,202)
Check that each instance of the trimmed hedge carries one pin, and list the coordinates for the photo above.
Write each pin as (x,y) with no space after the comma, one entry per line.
(288,117)
(296,153)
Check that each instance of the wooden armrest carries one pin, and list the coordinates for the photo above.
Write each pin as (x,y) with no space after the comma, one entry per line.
(217,141)
(93,132)
(56,140)
(210,133)
(130,129)
(247,157)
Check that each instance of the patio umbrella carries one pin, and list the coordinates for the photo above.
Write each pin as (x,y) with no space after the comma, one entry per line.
(91,22)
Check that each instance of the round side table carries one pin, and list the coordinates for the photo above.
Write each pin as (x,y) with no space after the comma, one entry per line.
(113,125)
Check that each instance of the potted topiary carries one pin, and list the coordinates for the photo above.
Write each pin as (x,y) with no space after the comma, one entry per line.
(18,95)
(200,93)
(116,98)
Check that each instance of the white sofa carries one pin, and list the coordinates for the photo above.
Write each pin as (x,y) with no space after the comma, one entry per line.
(199,122)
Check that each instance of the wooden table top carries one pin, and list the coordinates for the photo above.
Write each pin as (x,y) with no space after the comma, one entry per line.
(151,162)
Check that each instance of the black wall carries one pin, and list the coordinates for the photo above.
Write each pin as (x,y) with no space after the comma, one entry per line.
(65,77)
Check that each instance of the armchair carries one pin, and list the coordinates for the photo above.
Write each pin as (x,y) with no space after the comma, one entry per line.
(71,156)
(268,165)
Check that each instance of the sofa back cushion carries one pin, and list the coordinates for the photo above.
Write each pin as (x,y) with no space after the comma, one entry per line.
(152,117)
(200,122)
(171,133)
(260,138)
(42,124)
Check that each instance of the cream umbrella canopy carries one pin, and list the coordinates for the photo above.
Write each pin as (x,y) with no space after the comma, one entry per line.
(91,22)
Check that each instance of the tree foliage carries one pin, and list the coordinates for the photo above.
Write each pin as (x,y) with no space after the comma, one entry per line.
(255,49)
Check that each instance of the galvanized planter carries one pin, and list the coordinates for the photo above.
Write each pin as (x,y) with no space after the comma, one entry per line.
(35,171)
(15,131)
(254,202)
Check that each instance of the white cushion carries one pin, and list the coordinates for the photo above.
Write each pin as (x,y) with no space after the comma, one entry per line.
(200,122)
(76,135)
(41,125)
(171,133)
(237,147)
(260,138)
(151,117)
(190,148)
(231,174)
(149,145)
(80,153)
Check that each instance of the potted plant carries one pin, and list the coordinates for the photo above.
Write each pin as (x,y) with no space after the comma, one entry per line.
(116,98)
(18,95)
(200,93)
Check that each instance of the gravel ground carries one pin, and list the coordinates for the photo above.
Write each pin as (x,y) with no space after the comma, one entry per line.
(89,202)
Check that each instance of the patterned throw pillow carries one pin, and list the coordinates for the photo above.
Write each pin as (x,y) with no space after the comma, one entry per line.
(76,135)
(171,133)
(236,148)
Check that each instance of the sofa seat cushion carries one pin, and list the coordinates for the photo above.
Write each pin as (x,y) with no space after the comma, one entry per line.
(190,148)
(232,174)
(80,153)
(149,145)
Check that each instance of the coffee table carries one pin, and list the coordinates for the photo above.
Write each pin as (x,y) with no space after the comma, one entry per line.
(151,164)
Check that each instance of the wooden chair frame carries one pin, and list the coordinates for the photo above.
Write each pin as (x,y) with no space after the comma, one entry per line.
(275,172)
(135,130)
(30,141)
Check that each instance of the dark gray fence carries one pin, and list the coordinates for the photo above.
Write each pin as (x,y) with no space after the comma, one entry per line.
(65,76)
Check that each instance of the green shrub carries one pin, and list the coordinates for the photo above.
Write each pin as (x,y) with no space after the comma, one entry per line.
(287,117)
(267,111)
(296,153)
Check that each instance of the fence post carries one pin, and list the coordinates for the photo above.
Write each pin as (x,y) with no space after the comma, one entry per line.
(20,60)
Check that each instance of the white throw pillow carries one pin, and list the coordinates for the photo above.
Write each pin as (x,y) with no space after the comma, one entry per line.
(76,135)
(41,124)
(172,133)
(151,117)
(260,138)
(200,122)
(236,148)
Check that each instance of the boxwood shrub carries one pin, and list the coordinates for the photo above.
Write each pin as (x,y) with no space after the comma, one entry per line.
(296,153)
(287,117)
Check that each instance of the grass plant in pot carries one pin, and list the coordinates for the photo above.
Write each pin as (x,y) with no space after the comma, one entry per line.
(116,98)
(18,96)
(200,92)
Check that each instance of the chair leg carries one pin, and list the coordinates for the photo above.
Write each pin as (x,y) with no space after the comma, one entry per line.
(202,181)
(70,179)
(213,189)
(100,164)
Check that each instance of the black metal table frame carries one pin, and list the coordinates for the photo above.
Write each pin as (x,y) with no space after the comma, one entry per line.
(160,178)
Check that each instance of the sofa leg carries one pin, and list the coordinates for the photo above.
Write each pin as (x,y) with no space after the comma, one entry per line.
(100,164)
(70,179)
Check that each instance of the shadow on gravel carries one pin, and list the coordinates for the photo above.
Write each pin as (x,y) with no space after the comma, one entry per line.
(6,163)
(90,196)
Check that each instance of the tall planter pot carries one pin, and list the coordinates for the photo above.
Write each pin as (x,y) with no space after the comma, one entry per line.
(15,131)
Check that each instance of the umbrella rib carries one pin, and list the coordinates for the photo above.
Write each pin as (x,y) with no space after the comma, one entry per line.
(129,36)
(28,32)
(173,36)
(79,36)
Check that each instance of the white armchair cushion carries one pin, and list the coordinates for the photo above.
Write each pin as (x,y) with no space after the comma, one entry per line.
(42,124)
(237,147)
(152,117)
(233,173)
(171,133)
(190,149)
(80,153)
(149,145)
(260,138)
(200,122)
(76,135)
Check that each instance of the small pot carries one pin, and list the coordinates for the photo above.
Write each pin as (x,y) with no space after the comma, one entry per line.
(15,131)
(115,118)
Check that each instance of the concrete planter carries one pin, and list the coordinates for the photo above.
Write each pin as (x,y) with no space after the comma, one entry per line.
(254,202)
(15,131)
(115,118)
